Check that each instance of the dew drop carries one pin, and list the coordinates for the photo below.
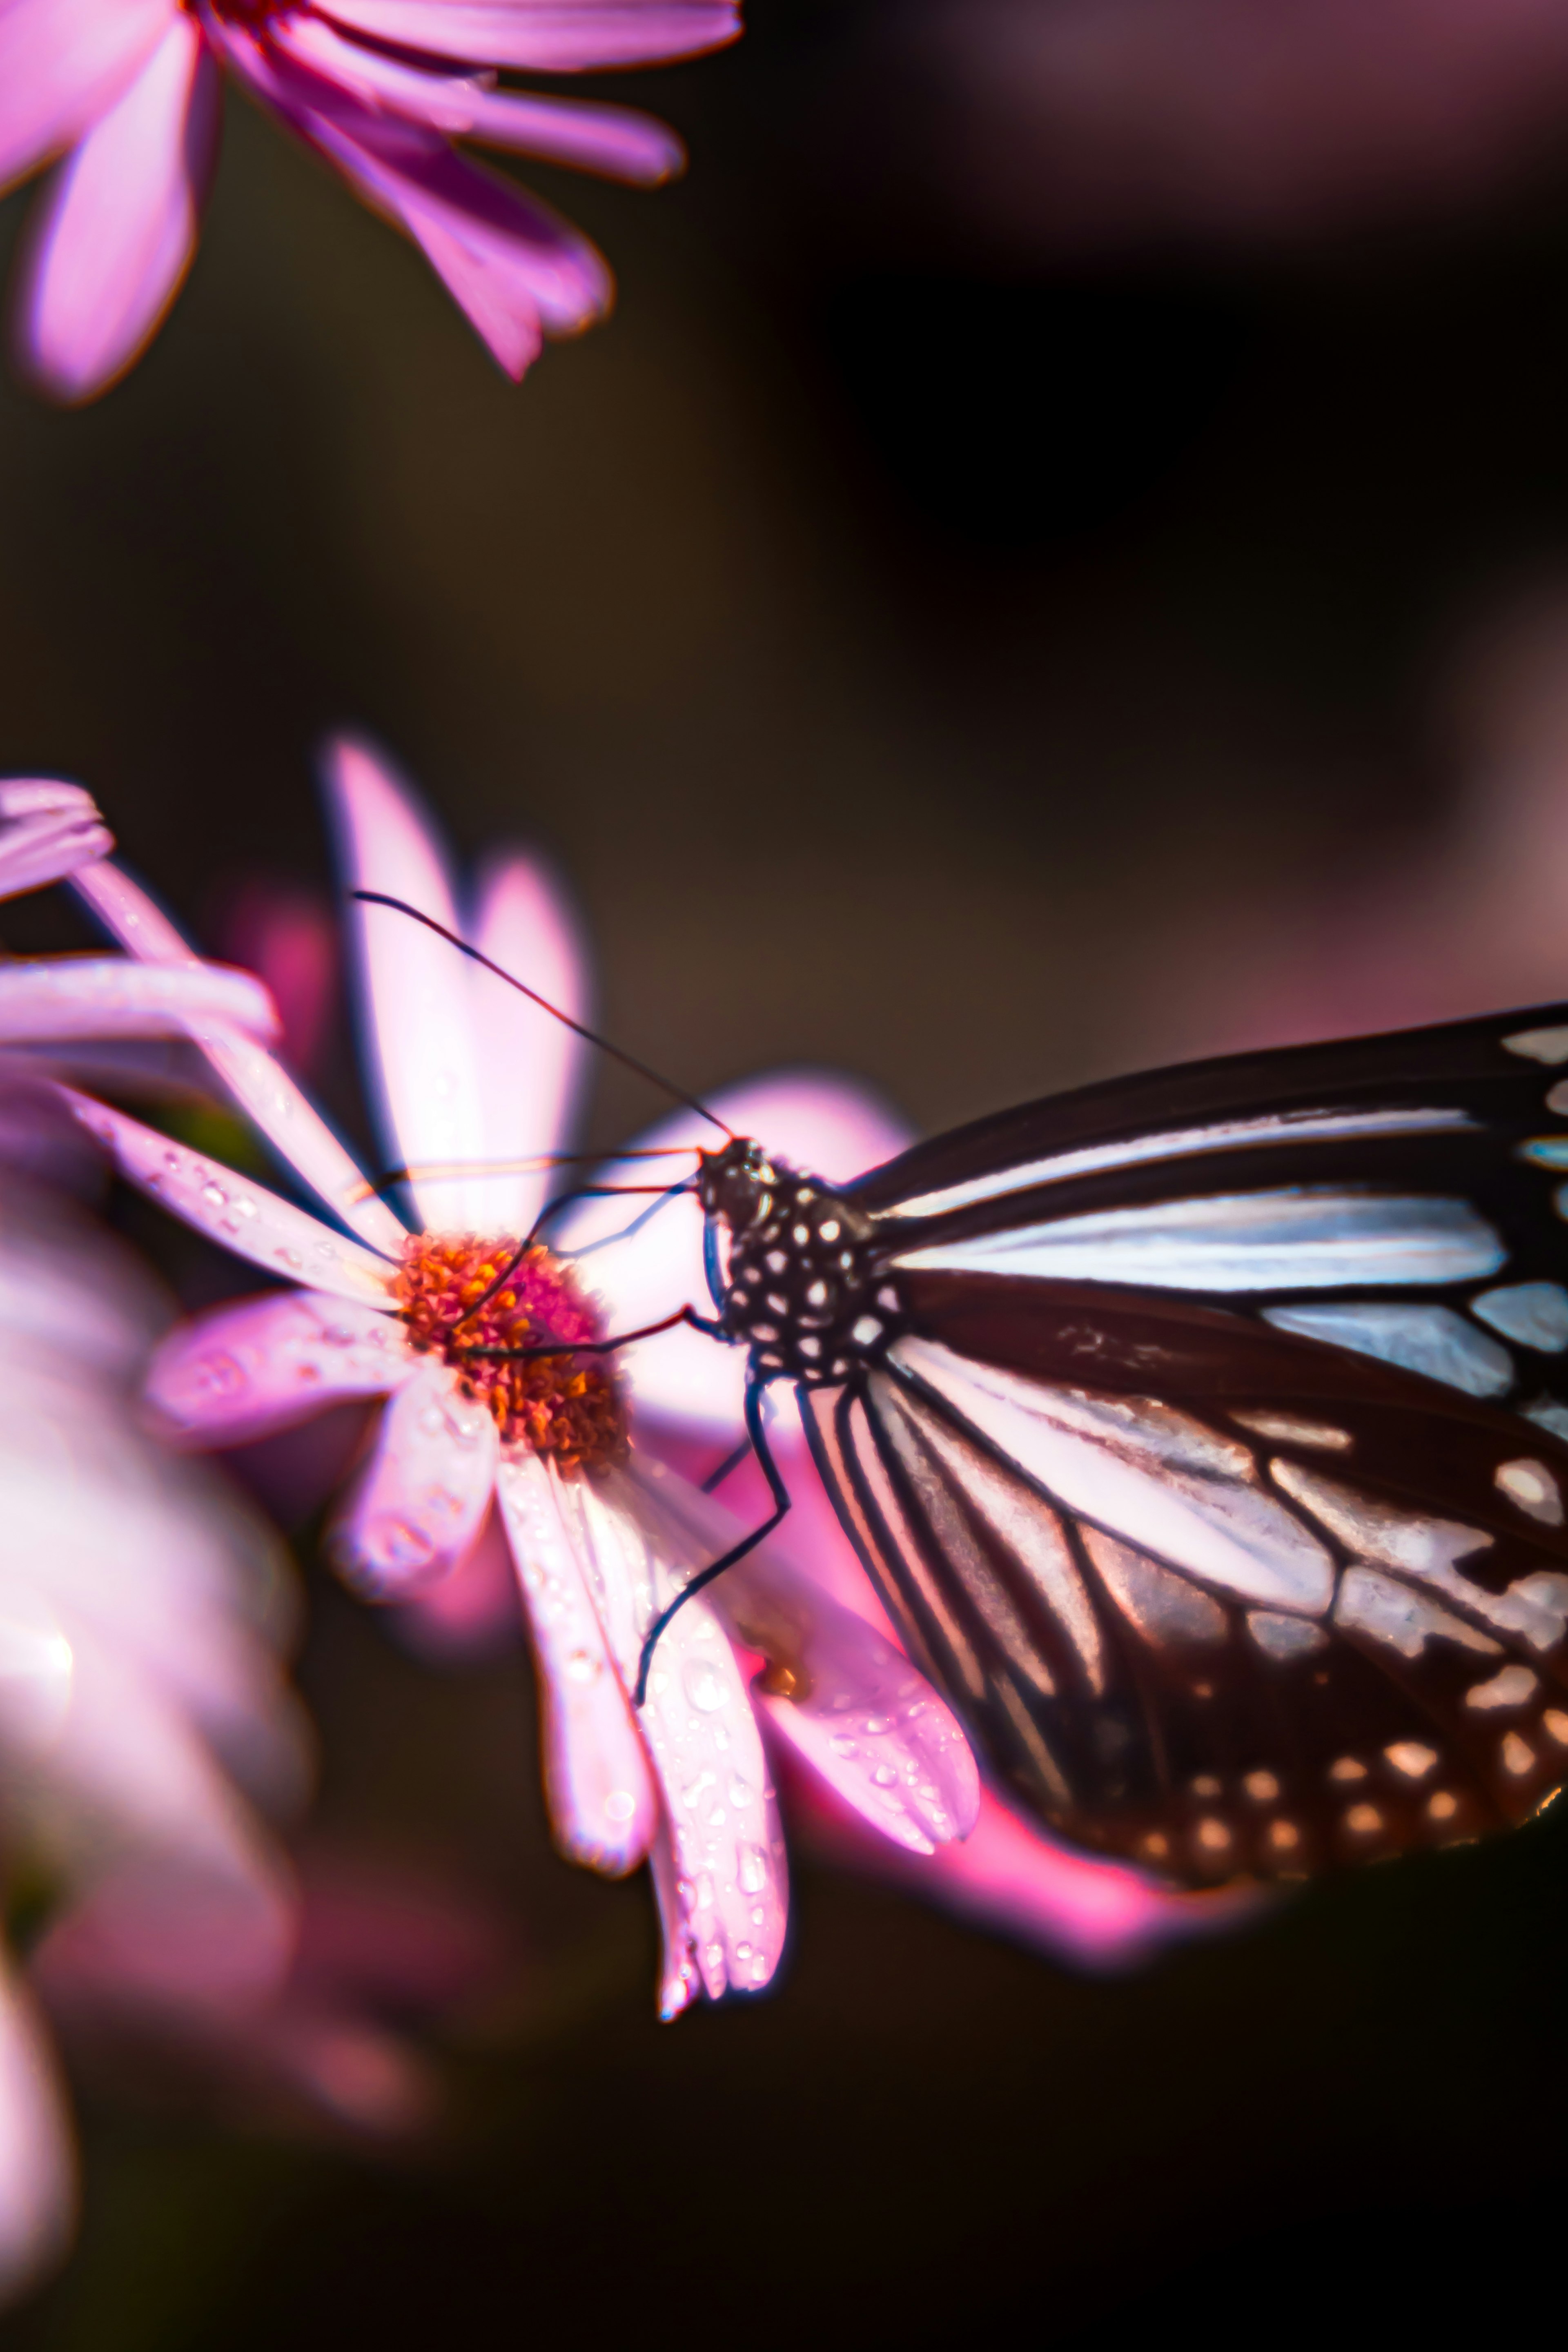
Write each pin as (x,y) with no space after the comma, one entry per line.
(753,1870)
(740,1793)
(885,1776)
(842,1745)
(705,1686)
(620,1805)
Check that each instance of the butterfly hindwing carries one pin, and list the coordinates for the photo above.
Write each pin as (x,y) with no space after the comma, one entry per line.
(1215,1596)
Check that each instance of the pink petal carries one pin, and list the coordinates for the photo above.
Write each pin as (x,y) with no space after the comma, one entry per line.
(51,829)
(413,987)
(37,2163)
(268,1363)
(419,1504)
(532,1067)
(514,268)
(62,64)
(861,1715)
(60,998)
(813,1119)
(602,1807)
(257,1081)
(1012,1877)
(722,1885)
(570,36)
(611,140)
(119,227)
(231,1210)
(473,1613)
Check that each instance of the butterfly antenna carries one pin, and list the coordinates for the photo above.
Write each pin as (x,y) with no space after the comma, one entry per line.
(616,1053)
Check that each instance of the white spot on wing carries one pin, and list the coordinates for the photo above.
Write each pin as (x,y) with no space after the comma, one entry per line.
(1290,1429)
(1301,1239)
(1430,1340)
(1405,1620)
(1284,1638)
(1540,1044)
(1532,1486)
(1513,1686)
(1535,1313)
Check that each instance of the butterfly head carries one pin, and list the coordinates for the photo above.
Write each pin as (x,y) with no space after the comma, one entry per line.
(737,1183)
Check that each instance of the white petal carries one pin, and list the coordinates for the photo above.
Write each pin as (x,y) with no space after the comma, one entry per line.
(257,1081)
(62,997)
(419,1506)
(232,1211)
(725,1877)
(414,987)
(861,1715)
(602,1806)
(532,1067)
(264,1364)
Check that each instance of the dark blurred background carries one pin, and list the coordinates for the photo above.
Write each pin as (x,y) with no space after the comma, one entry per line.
(986,667)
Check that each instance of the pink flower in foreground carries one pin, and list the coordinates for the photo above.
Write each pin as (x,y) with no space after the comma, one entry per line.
(131,93)
(602,1537)
(141,1611)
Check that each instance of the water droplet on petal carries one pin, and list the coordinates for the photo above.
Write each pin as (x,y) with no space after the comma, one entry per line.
(706,1686)
(842,1745)
(620,1805)
(582,1668)
(753,1870)
(885,1776)
(740,1793)
(875,1725)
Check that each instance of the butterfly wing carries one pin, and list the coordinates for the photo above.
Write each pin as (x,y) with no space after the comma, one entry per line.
(1213,1596)
(1217,1466)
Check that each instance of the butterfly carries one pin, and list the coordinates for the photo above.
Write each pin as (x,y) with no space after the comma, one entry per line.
(1205,1436)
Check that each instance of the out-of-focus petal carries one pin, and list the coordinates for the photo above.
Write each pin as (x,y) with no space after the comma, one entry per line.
(414,987)
(532,1066)
(812,1119)
(119,227)
(515,268)
(420,1502)
(243,1372)
(611,140)
(240,1215)
(51,827)
(56,998)
(1015,1878)
(38,2164)
(600,1790)
(62,64)
(722,1887)
(568,36)
(154,1934)
(257,1081)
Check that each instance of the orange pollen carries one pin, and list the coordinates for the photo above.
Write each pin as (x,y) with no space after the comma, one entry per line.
(566,1406)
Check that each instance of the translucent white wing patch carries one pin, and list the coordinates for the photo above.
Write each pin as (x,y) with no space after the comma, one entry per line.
(1307,1239)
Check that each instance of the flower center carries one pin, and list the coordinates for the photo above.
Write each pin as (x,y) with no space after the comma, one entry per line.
(564,1405)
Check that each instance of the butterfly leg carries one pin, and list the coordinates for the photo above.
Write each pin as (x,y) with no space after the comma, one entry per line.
(757,1439)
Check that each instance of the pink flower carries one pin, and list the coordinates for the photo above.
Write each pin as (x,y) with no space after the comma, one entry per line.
(130,92)
(145,1724)
(474,1084)
(141,1613)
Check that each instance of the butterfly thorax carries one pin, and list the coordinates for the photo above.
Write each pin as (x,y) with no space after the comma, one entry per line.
(802,1284)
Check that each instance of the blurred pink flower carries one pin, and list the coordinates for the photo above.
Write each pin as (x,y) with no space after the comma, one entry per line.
(130,92)
(471,1076)
(146,1724)
(1074,124)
